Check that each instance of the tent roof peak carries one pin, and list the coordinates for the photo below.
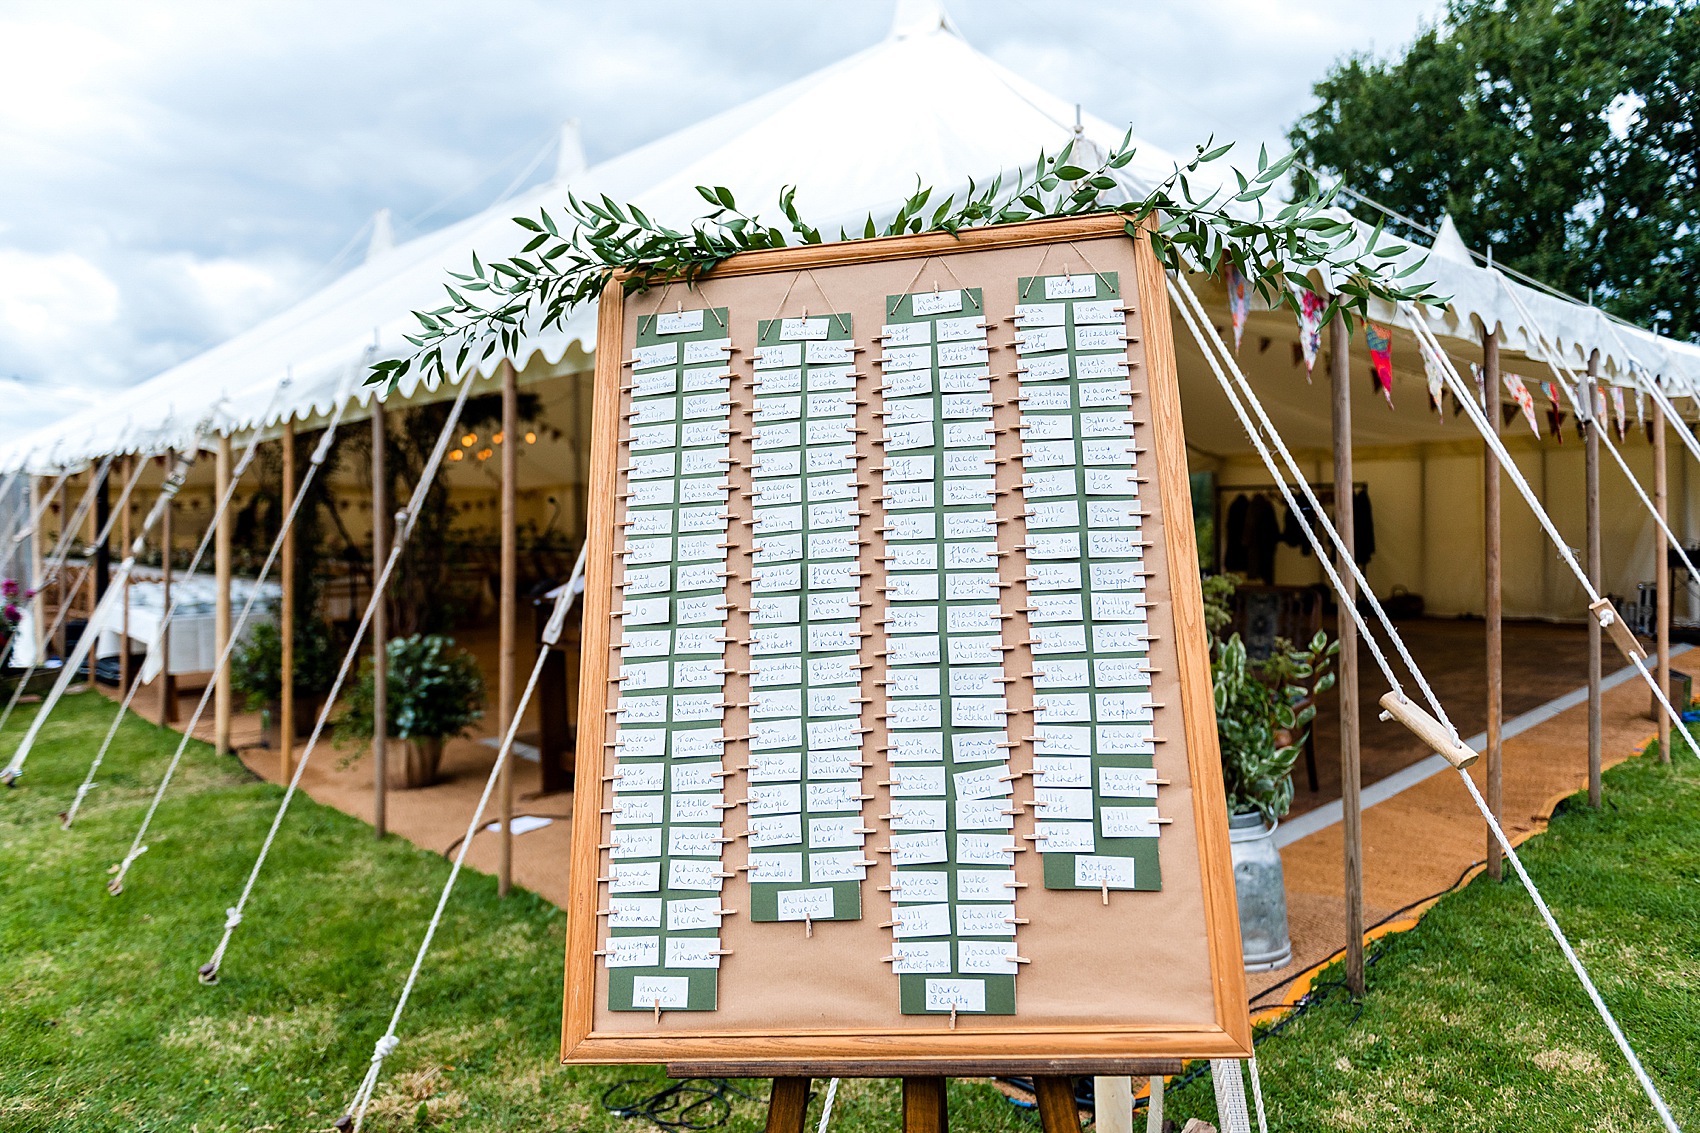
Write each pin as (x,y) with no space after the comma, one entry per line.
(383,235)
(913,18)
(1448,245)
(569,159)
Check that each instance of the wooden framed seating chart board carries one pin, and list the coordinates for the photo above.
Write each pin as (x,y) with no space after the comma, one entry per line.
(897,737)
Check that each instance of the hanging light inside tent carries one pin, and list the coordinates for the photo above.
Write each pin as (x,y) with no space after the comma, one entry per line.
(469,440)
(456,454)
(498,438)
(531,438)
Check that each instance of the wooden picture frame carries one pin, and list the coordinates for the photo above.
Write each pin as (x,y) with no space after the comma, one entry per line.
(1215,1022)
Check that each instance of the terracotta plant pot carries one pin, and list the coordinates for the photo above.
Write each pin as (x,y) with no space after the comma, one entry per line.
(411,764)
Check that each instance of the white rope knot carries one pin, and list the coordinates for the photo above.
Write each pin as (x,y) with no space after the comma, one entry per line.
(384,1047)
(232,917)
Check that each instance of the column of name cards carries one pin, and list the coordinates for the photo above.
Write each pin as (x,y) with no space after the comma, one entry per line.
(1095,790)
(951,846)
(665,861)
(805,825)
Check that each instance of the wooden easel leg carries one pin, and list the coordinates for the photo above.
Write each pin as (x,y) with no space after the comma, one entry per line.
(923,1106)
(788,1105)
(1057,1111)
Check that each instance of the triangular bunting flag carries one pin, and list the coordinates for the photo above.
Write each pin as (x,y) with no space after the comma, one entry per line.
(1239,302)
(1380,341)
(1310,327)
(1524,399)
(1555,415)
(1436,383)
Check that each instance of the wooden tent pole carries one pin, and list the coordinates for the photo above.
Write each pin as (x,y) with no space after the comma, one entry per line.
(1493,586)
(380,627)
(91,528)
(506,603)
(167,684)
(1340,375)
(1590,400)
(285,725)
(1661,566)
(125,537)
(37,622)
(221,600)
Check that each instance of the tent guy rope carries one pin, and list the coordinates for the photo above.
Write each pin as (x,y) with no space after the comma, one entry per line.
(50,575)
(91,632)
(355,1115)
(404,531)
(1446,740)
(138,847)
(1598,606)
(1573,384)
(28,531)
(88,784)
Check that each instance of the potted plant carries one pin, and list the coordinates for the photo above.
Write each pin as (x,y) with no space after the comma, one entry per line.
(256,670)
(11,591)
(435,691)
(1263,709)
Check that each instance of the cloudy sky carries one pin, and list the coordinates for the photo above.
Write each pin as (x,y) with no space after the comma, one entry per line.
(175,171)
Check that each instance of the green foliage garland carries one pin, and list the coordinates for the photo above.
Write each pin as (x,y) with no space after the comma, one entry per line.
(494,306)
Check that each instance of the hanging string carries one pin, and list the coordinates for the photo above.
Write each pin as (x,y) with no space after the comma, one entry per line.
(415,505)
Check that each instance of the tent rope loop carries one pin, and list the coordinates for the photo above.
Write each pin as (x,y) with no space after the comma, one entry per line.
(119,871)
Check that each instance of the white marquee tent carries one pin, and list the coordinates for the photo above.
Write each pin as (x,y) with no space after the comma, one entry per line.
(923,102)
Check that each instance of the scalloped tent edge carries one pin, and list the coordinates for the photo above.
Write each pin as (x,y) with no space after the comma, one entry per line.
(295,365)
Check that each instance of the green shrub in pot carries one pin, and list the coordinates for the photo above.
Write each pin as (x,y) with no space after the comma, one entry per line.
(435,691)
(256,670)
(1263,709)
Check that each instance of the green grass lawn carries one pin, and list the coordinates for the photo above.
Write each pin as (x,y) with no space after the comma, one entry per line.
(1472,1021)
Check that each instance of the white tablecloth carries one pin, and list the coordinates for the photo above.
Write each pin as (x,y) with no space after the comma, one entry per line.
(192,644)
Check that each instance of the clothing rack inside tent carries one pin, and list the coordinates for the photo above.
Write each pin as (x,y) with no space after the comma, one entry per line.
(1264,523)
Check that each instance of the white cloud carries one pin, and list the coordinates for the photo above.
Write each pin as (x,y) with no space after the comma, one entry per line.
(178,170)
(48,301)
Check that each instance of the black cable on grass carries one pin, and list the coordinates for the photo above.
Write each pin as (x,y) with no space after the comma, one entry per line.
(697,1104)
(455,845)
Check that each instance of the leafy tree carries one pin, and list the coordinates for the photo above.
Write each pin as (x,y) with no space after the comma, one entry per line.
(1560,133)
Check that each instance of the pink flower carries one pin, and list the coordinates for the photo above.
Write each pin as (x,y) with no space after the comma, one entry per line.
(11,614)
(9,588)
